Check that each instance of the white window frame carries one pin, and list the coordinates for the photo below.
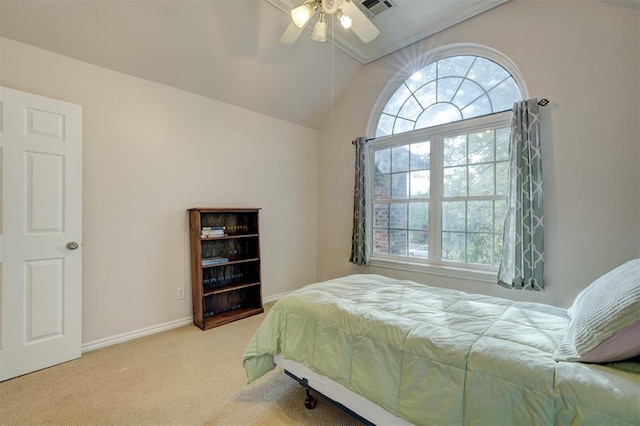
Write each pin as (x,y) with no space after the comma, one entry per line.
(436,136)
(473,272)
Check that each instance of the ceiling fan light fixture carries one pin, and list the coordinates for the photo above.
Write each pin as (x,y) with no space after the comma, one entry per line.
(346,11)
(320,29)
(345,21)
(301,15)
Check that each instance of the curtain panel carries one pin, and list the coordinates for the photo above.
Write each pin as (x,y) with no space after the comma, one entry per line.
(522,263)
(359,255)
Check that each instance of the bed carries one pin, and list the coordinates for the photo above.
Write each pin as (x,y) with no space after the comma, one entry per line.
(399,352)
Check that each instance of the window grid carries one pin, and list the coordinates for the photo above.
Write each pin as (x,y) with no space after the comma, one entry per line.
(436,241)
(460,104)
(406,242)
(476,243)
(401,205)
(445,109)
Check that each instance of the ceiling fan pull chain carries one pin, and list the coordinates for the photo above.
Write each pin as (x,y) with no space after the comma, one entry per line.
(332,62)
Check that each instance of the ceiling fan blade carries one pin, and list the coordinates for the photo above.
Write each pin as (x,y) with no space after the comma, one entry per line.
(361,25)
(291,34)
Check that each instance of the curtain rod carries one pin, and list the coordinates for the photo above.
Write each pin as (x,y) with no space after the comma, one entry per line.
(353,142)
(542,102)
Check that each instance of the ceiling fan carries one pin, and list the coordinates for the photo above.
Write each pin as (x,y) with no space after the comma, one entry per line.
(345,11)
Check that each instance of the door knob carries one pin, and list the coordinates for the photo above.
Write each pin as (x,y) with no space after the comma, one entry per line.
(72,245)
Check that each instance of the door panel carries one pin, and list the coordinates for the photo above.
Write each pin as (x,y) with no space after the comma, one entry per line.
(41,212)
(44,192)
(44,312)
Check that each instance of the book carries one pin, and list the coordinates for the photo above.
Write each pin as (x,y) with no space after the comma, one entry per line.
(213,231)
(214,261)
(208,234)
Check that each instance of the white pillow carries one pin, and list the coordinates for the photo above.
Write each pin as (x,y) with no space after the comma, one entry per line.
(605,319)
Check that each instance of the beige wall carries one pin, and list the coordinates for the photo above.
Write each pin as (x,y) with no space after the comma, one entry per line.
(584,57)
(151,152)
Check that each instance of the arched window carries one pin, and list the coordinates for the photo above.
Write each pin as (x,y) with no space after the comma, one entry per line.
(438,166)
(450,89)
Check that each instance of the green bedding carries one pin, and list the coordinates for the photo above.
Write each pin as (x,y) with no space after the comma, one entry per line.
(436,356)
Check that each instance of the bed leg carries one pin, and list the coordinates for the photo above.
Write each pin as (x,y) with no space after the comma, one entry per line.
(310,402)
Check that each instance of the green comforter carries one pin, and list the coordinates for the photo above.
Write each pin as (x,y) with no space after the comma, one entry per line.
(437,356)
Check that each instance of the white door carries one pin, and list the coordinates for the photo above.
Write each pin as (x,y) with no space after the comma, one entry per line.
(41,228)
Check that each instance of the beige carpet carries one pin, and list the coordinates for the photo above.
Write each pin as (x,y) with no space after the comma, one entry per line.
(180,377)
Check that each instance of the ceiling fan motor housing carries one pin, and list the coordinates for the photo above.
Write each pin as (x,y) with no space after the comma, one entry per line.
(330,6)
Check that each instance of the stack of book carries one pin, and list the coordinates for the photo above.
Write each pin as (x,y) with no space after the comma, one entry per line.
(214,261)
(212,231)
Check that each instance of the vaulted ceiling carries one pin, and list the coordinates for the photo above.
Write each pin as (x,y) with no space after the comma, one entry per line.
(227,50)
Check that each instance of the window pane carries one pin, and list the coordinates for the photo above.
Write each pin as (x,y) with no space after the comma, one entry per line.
(502,143)
(418,249)
(400,182)
(426,95)
(397,100)
(438,114)
(453,246)
(480,106)
(382,161)
(420,156)
(455,151)
(503,95)
(419,238)
(487,73)
(420,184)
(398,243)
(454,216)
(481,180)
(419,216)
(455,182)
(382,187)
(480,248)
(420,78)
(398,216)
(385,125)
(401,125)
(381,241)
(381,216)
(481,147)
(400,159)
(455,65)
(469,91)
(448,87)
(480,216)
(411,109)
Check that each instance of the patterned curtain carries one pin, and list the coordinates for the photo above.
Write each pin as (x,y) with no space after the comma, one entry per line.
(359,235)
(522,262)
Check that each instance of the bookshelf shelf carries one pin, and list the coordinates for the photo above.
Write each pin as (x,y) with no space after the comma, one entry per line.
(225,265)
(229,288)
(228,237)
(232,262)
(228,317)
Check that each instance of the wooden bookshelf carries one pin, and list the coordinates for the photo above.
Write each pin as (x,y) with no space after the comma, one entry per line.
(225,265)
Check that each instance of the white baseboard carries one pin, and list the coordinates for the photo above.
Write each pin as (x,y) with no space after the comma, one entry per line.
(120,338)
(124,337)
